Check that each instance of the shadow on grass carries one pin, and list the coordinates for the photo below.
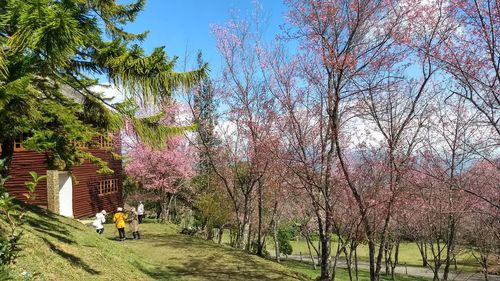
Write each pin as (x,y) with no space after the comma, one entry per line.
(44,215)
(210,268)
(176,240)
(52,229)
(59,237)
(208,261)
(74,260)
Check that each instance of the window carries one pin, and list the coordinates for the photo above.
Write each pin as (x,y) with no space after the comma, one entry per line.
(79,144)
(18,143)
(105,142)
(107,187)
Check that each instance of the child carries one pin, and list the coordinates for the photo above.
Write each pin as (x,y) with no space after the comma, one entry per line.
(134,224)
(119,220)
(140,211)
(100,218)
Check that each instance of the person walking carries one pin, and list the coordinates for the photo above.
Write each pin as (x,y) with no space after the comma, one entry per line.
(134,223)
(100,218)
(140,211)
(119,220)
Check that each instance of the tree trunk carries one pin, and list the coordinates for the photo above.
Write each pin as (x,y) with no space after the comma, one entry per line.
(249,240)
(422,248)
(382,243)
(210,232)
(232,240)
(396,259)
(348,258)
(450,245)
(221,232)
(165,207)
(340,248)
(310,252)
(437,259)
(387,256)
(371,253)
(325,239)
(276,242)
(244,226)
(356,261)
(260,240)
(484,264)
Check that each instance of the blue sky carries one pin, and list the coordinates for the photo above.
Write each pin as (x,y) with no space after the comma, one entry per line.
(185,24)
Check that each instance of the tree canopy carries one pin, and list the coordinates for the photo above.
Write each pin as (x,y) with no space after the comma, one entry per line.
(50,53)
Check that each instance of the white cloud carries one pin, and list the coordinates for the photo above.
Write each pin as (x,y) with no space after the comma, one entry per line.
(109,91)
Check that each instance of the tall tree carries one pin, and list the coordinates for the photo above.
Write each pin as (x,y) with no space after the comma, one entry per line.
(472,57)
(50,49)
(204,116)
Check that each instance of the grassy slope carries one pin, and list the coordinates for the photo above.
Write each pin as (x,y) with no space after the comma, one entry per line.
(56,248)
(171,256)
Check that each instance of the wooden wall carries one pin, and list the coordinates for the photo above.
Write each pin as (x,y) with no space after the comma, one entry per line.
(86,200)
(22,163)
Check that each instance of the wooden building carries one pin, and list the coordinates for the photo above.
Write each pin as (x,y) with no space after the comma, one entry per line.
(78,193)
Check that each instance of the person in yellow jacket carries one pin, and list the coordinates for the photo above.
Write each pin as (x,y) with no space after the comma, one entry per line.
(119,220)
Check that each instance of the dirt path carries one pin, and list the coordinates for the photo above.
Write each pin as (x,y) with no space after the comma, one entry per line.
(416,271)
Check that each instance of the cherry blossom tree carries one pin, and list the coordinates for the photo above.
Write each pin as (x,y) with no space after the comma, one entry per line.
(472,57)
(161,170)
(164,171)
(352,48)
(240,159)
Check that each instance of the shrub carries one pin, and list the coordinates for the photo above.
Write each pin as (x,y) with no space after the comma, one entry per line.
(284,242)
(11,216)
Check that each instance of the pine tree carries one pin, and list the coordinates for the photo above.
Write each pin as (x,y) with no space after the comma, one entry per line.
(49,49)
(204,118)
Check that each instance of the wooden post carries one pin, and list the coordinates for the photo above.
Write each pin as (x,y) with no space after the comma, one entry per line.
(53,191)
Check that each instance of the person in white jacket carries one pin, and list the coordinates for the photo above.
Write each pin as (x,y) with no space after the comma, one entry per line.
(100,218)
(140,211)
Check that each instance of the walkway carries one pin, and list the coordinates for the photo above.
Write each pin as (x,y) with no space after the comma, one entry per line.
(415,271)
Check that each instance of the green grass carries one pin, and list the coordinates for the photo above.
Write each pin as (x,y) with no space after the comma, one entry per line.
(341,273)
(57,248)
(408,253)
(168,255)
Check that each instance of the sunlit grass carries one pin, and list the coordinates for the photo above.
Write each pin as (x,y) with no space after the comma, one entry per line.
(341,273)
(408,253)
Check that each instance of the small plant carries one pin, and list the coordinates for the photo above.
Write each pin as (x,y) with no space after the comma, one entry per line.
(284,242)
(31,187)
(12,215)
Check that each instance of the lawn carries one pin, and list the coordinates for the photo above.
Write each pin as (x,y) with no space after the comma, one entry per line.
(408,254)
(342,274)
(57,248)
(167,255)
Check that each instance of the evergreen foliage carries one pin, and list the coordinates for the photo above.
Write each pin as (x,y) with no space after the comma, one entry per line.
(204,107)
(48,51)
(284,242)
